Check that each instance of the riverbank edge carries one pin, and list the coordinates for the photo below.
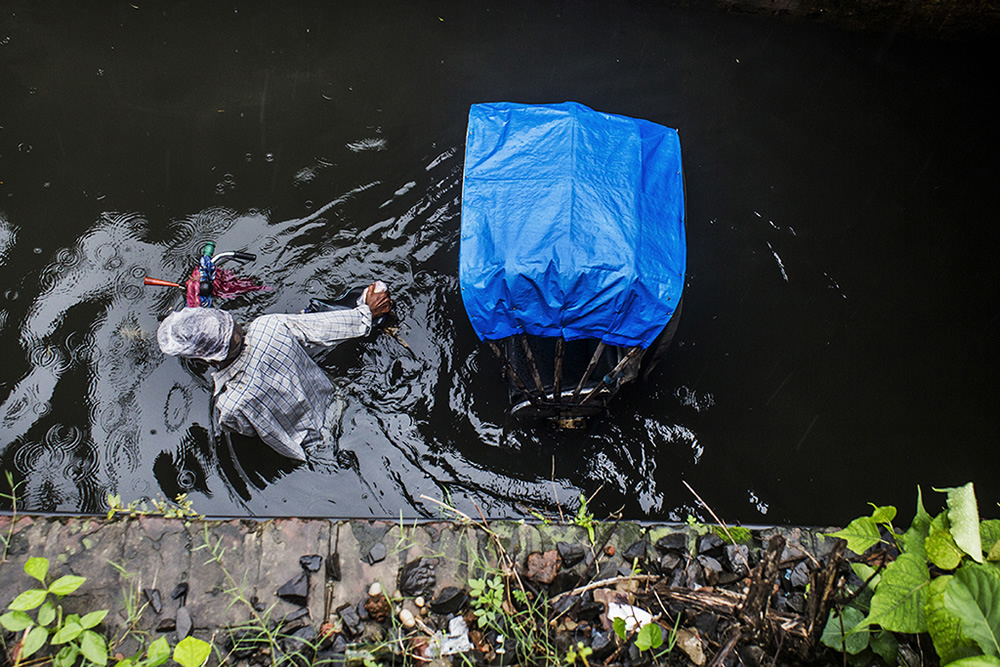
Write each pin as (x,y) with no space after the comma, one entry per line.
(216,569)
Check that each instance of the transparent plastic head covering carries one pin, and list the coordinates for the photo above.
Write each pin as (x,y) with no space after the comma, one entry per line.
(199,333)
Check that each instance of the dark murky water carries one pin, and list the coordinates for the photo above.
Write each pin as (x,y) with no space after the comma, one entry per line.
(839,339)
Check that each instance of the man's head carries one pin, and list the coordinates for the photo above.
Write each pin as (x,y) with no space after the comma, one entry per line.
(200,333)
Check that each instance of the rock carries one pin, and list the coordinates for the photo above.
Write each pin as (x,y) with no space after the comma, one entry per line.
(419,601)
(407,618)
(669,561)
(711,545)
(376,554)
(166,625)
(298,615)
(301,641)
(333,567)
(417,577)
(751,655)
(738,556)
(711,569)
(570,554)
(375,589)
(153,598)
(378,607)
(673,542)
(636,550)
(566,605)
(797,602)
(295,590)
(350,620)
(449,601)
(800,575)
(184,623)
(180,591)
(542,567)
(589,610)
(311,563)
(602,644)
(693,576)
(690,642)
(706,622)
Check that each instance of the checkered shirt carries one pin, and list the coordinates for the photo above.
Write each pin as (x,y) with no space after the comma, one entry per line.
(274,388)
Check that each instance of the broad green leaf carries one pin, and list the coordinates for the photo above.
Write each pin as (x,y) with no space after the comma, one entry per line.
(940,545)
(898,604)
(192,652)
(883,514)
(976,661)
(989,534)
(46,613)
(944,627)
(842,632)
(28,600)
(67,633)
(37,568)
(93,618)
(619,626)
(72,618)
(15,621)
(973,595)
(885,646)
(158,653)
(93,648)
(861,534)
(913,539)
(126,662)
(34,641)
(963,515)
(650,636)
(66,657)
(66,584)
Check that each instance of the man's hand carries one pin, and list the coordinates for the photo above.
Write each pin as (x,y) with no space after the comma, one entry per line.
(378,302)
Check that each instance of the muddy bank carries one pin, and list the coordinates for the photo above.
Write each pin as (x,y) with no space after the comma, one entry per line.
(328,592)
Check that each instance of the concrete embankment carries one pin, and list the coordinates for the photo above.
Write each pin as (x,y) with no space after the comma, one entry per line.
(312,578)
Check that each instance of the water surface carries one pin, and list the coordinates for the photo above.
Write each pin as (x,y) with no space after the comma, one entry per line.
(839,337)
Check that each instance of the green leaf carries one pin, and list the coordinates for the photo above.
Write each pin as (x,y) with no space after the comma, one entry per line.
(940,545)
(861,534)
(34,641)
(866,572)
(67,633)
(93,618)
(898,603)
(15,621)
(885,646)
(66,584)
(28,600)
(883,514)
(619,626)
(963,515)
(66,657)
(192,652)
(126,662)
(46,613)
(650,636)
(37,568)
(93,648)
(914,538)
(944,627)
(989,534)
(158,653)
(842,632)
(976,661)
(973,595)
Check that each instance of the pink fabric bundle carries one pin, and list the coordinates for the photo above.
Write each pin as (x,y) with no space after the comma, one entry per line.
(226,285)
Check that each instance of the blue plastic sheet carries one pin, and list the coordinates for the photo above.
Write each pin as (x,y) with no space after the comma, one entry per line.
(572,224)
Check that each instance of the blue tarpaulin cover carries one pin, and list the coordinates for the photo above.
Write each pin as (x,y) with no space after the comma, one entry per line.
(572,224)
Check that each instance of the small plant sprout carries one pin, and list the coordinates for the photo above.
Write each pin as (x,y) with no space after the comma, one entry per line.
(487,598)
(580,652)
(585,519)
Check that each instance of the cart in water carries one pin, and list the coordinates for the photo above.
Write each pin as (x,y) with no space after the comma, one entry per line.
(572,253)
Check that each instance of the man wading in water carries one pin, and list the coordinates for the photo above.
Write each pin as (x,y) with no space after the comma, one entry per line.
(266,383)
